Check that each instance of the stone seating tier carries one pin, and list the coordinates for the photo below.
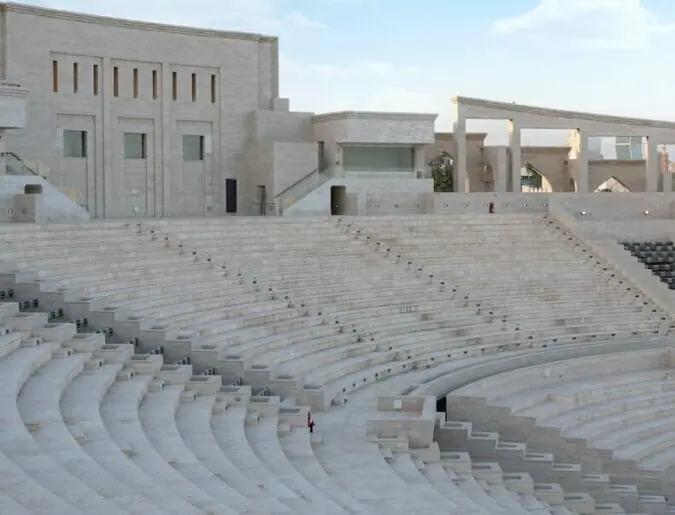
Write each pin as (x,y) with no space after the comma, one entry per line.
(280,317)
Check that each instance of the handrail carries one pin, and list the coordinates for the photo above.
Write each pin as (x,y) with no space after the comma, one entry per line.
(303,178)
(21,162)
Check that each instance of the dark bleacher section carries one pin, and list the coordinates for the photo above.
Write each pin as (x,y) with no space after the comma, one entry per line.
(657,256)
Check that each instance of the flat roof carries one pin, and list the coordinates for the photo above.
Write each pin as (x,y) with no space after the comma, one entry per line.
(560,113)
(132,24)
(375,115)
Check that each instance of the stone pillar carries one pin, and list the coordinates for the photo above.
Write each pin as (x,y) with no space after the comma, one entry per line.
(652,166)
(420,159)
(667,182)
(667,175)
(461,179)
(516,156)
(666,179)
(500,172)
(582,161)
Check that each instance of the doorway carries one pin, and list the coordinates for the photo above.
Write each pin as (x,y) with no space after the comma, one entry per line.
(230,196)
(261,198)
(338,200)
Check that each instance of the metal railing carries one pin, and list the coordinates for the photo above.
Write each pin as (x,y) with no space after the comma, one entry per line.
(300,188)
(12,164)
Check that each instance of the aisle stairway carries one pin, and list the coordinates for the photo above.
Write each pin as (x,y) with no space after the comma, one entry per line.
(180,362)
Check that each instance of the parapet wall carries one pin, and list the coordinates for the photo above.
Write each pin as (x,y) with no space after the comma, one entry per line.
(605,207)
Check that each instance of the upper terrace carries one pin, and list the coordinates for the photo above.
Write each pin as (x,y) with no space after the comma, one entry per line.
(584,125)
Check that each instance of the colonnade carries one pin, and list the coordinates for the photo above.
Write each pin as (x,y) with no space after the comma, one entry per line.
(521,117)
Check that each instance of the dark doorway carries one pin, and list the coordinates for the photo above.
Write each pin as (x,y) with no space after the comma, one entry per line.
(442,405)
(230,196)
(338,200)
(262,200)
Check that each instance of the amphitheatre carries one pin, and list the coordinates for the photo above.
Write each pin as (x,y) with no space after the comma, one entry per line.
(212,304)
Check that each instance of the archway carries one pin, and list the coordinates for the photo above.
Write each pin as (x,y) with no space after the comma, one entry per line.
(533,181)
(338,200)
(612,185)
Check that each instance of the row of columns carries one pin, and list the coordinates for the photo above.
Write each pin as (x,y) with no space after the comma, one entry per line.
(579,153)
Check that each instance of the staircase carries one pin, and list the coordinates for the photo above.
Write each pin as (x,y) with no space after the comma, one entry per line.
(300,189)
(15,174)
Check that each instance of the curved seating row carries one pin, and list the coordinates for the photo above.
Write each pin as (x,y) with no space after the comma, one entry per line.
(91,427)
(278,318)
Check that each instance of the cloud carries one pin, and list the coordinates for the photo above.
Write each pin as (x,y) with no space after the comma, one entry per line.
(361,86)
(300,19)
(603,24)
(267,16)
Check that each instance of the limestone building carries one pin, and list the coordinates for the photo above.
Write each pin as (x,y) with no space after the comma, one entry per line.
(133,119)
(138,119)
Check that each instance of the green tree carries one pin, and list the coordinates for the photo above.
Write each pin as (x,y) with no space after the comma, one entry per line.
(531,178)
(443,176)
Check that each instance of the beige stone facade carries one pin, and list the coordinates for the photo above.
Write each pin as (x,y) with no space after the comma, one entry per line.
(130,120)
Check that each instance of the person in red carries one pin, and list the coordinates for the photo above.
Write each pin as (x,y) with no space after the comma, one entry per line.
(310,422)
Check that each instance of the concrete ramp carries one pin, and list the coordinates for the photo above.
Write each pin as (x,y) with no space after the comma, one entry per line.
(58,206)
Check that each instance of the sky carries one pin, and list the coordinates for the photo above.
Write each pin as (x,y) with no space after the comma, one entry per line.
(605,56)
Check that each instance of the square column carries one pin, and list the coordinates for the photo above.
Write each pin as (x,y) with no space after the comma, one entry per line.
(652,163)
(500,172)
(420,159)
(461,179)
(665,170)
(516,156)
(582,161)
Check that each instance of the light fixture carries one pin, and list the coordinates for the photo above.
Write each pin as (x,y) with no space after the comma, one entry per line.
(584,213)
(646,212)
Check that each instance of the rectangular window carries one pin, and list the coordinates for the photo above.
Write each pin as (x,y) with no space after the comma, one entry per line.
(55,76)
(174,85)
(213,89)
(194,87)
(135,79)
(75,77)
(94,78)
(74,144)
(154,84)
(135,145)
(116,81)
(193,147)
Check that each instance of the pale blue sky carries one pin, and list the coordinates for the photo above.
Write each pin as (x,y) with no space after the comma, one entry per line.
(414,55)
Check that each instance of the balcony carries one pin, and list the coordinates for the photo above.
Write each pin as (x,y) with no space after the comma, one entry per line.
(372,128)
(13,106)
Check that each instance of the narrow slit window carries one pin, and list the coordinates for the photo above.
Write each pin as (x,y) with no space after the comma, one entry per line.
(135,79)
(116,81)
(94,78)
(154,84)
(55,76)
(194,87)
(213,89)
(174,85)
(76,78)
